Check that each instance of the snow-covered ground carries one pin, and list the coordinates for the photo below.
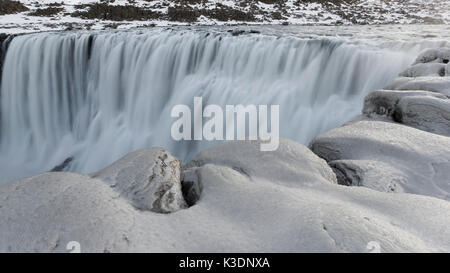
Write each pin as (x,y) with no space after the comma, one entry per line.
(251,201)
(74,14)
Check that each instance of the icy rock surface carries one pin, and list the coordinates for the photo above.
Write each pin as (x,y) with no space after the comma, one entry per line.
(288,163)
(149,178)
(378,151)
(237,211)
(430,83)
(419,97)
(428,111)
(430,72)
(388,157)
(46,212)
(439,55)
(394,158)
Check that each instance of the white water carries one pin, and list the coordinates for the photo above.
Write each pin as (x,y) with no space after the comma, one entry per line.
(59,99)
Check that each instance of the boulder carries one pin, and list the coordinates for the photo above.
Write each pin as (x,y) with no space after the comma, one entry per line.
(389,157)
(149,179)
(45,213)
(419,97)
(424,110)
(427,73)
(426,69)
(433,84)
(434,55)
(285,165)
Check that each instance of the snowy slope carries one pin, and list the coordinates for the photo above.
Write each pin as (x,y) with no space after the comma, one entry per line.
(212,12)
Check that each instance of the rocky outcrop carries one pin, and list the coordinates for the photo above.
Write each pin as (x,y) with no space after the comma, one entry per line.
(251,201)
(11,7)
(419,97)
(425,110)
(388,157)
(285,165)
(149,179)
(5,40)
(401,143)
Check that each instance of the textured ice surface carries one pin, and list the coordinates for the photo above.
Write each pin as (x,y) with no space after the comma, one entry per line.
(150,179)
(291,210)
(388,157)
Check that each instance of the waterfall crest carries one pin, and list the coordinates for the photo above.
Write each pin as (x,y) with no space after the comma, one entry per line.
(96,97)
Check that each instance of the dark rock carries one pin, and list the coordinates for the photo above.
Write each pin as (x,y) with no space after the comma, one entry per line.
(46,12)
(63,166)
(182,14)
(191,187)
(11,7)
(103,11)
(237,32)
(149,179)
(5,40)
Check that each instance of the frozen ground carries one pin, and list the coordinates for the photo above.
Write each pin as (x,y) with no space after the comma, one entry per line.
(285,201)
(94,14)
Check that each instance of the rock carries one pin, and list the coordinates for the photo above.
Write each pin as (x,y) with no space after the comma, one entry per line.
(427,73)
(247,204)
(419,97)
(389,157)
(433,84)
(149,179)
(11,7)
(372,174)
(237,32)
(285,165)
(424,110)
(426,69)
(439,55)
(5,40)
(191,186)
(63,166)
(46,212)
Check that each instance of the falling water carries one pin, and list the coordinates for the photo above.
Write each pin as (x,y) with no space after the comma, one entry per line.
(96,97)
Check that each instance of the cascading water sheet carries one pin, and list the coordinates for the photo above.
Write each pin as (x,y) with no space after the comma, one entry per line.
(96,97)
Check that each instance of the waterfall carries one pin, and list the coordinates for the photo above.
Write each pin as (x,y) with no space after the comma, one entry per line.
(96,97)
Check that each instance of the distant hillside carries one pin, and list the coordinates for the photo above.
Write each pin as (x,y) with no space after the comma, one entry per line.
(31,15)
